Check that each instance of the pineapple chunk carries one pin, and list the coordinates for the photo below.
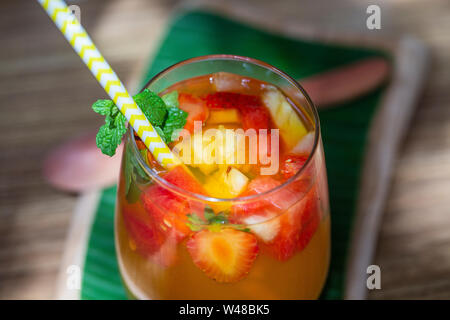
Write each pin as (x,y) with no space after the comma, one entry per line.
(284,116)
(215,185)
(223,184)
(236,181)
(210,152)
(224,116)
(304,146)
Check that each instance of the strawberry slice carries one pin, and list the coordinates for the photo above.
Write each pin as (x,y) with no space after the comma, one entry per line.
(225,255)
(195,107)
(168,209)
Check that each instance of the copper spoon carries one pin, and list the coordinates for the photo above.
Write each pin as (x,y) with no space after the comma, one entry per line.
(77,165)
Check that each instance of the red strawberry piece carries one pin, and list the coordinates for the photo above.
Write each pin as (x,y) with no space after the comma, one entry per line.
(263,210)
(150,241)
(285,243)
(147,237)
(298,226)
(195,107)
(168,209)
(254,207)
(308,231)
(295,207)
(255,117)
(225,100)
(275,202)
(291,164)
(180,177)
(167,253)
(226,255)
(310,219)
(254,114)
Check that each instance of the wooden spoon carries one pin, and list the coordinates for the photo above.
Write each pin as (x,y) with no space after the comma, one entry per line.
(345,83)
(77,165)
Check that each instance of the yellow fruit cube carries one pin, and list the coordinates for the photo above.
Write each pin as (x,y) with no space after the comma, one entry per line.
(224,116)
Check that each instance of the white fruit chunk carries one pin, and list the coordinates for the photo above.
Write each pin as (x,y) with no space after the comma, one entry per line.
(236,181)
(224,81)
(266,231)
(284,116)
(305,145)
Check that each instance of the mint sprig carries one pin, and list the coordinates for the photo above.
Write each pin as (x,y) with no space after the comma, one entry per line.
(153,106)
(110,134)
(212,221)
(162,112)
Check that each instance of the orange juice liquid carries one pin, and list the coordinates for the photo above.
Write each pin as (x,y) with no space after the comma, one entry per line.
(299,276)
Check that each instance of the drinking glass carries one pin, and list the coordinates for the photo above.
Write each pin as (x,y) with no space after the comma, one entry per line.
(154,260)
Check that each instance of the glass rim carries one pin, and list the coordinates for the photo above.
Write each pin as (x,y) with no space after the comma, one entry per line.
(196,196)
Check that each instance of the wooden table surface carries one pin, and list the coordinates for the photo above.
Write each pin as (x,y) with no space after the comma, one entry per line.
(46,93)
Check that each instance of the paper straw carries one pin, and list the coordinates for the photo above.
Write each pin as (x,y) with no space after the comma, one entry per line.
(83,45)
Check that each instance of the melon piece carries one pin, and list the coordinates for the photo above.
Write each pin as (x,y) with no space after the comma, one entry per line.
(292,129)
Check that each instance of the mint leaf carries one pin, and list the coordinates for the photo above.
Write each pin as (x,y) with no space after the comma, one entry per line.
(219,218)
(213,221)
(108,138)
(194,227)
(176,119)
(103,106)
(120,124)
(162,112)
(110,134)
(195,219)
(208,213)
(152,105)
(171,99)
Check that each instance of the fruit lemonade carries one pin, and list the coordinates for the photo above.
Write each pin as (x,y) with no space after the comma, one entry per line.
(270,240)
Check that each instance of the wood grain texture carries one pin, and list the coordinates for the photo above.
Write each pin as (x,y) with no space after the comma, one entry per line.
(43,80)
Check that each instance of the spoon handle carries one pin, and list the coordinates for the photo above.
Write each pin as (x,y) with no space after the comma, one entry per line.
(345,83)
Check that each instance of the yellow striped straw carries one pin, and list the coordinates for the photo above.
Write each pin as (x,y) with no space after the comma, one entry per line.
(83,45)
